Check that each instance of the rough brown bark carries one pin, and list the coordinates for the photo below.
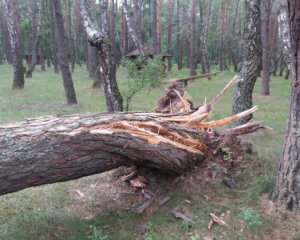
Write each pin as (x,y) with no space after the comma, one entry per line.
(179,38)
(223,34)
(63,54)
(132,31)
(204,21)
(287,187)
(242,99)
(265,37)
(159,25)
(192,51)
(100,40)
(51,149)
(170,31)
(154,28)
(10,9)
(54,48)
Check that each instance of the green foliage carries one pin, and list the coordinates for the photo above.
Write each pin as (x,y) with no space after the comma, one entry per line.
(252,218)
(195,237)
(150,232)
(186,225)
(25,27)
(227,154)
(98,234)
(142,73)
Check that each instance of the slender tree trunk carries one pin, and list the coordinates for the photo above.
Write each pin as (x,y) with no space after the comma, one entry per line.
(54,47)
(18,78)
(287,187)
(138,18)
(224,19)
(170,31)
(36,14)
(179,38)
(204,19)
(63,54)
(192,58)
(242,99)
(159,25)
(100,40)
(265,37)
(5,35)
(124,30)
(132,31)
(154,28)
(112,28)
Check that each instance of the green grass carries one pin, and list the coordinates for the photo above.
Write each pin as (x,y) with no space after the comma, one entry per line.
(56,212)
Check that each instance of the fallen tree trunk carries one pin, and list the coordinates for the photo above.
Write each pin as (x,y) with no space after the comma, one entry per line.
(55,149)
(51,149)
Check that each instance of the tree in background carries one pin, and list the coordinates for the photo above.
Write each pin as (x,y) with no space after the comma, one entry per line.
(265,37)
(63,53)
(10,13)
(192,53)
(100,39)
(287,187)
(242,99)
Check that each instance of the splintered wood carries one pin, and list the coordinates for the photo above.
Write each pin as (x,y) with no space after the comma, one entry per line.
(176,120)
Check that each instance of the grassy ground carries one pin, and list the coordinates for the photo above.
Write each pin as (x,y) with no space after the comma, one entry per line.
(94,207)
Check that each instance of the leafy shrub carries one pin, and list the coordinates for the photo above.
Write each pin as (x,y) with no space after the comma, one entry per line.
(252,218)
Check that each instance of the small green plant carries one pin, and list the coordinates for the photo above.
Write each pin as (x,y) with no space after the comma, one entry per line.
(252,218)
(150,232)
(227,154)
(98,234)
(195,237)
(142,73)
(185,225)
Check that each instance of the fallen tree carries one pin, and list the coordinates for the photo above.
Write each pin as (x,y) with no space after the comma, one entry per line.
(54,149)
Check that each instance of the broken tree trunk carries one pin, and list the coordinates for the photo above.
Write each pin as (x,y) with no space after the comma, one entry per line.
(55,149)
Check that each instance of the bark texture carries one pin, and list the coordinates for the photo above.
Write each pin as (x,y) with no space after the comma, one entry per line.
(192,54)
(100,40)
(63,60)
(15,44)
(242,99)
(170,31)
(204,21)
(265,37)
(132,31)
(287,187)
(51,149)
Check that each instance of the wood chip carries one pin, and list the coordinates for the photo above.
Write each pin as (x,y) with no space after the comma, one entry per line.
(181,216)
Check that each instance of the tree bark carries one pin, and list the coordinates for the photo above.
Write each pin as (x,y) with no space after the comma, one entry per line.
(265,37)
(54,47)
(159,25)
(154,28)
(242,99)
(287,187)
(170,31)
(63,54)
(35,18)
(224,22)
(192,58)
(179,38)
(51,149)
(132,31)
(204,19)
(15,41)
(5,36)
(100,40)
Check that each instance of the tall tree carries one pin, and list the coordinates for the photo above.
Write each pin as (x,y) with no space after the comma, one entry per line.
(242,99)
(54,47)
(192,59)
(35,14)
(204,21)
(100,40)
(138,18)
(10,9)
(179,38)
(287,187)
(5,35)
(265,37)
(224,21)
(159,25)
(132,31)
(63,53)
(170,31)
(154,28)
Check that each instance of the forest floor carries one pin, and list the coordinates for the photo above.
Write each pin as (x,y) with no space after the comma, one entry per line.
(101,206)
